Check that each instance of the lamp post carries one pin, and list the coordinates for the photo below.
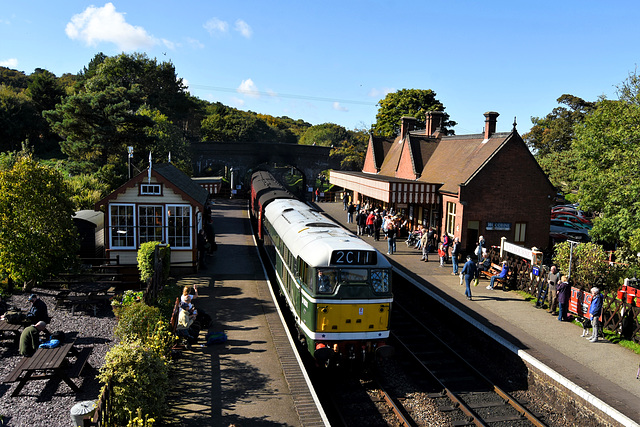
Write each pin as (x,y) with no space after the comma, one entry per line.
(130,151)
(572,243)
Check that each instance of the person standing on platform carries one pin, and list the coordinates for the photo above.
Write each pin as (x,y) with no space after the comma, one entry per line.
(425,245)
(345,200)
(445,246)
(455,253)
(595,311)
(480,250)
(563,290)
(391,238)
(377,225)
(350,210)
(470,271)
(553,277)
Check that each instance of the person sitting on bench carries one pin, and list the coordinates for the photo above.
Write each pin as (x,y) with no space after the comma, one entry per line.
(30,338)
(501,275)
(38,311)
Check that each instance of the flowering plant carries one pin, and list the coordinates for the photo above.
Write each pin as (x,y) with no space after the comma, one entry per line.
(119,302)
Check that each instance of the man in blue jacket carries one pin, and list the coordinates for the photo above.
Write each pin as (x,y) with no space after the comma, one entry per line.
(470,271)
(595,311)
(501,275)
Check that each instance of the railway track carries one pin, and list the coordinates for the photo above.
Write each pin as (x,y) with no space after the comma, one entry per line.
(467,395)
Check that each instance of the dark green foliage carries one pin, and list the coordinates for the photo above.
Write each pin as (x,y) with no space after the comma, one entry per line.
(407,102)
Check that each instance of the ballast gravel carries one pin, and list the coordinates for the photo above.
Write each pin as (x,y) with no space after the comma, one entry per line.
(48,402)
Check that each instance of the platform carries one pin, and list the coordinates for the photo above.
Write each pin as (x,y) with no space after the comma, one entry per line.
(254,378)
(602,373)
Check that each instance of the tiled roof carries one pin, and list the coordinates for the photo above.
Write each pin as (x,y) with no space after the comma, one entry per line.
(182,181)
(457,158)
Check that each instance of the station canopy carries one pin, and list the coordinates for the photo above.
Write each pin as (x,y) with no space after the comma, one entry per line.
(385,188)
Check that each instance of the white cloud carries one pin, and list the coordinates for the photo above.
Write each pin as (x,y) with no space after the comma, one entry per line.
(9,63)
(237,102)
(382,92)
(272,93)
(337,106)
(216,26)
(243,28)
(104,24)
(195,43)
(249,88)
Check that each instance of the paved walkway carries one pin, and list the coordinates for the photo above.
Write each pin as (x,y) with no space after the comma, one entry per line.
(241,382)
(599,372)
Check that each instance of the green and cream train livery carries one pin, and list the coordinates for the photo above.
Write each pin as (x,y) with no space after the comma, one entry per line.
(337,286)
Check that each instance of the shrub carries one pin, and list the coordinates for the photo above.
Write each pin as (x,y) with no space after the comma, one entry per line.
(146,260)
(137,321)
(119,302)
(140,380)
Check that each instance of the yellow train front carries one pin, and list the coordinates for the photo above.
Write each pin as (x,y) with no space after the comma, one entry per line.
(337,285)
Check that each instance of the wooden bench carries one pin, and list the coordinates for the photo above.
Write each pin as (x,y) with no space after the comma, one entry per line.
(495,270)
(174,327)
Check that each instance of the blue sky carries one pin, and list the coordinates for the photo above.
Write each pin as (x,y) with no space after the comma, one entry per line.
(332,61)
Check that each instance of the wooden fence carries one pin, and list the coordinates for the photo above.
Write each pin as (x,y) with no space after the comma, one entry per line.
(620,314)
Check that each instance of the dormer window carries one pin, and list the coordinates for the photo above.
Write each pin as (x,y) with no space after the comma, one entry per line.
(150,189)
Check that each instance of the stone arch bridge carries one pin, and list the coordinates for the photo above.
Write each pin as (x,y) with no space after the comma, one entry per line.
(245,157)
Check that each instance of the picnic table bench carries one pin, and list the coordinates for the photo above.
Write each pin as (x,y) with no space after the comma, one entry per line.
(49,363)
(85,294)
(14,330)
(494,271)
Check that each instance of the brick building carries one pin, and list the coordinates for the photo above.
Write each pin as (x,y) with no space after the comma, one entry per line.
(465,185)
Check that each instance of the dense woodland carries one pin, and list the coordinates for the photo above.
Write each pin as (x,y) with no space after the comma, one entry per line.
(78,126)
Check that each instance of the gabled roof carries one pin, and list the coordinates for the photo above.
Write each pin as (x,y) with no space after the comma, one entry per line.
(170,176)
(457,158)
(380,148)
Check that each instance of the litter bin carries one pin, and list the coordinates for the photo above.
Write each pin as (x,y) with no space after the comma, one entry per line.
(82,410)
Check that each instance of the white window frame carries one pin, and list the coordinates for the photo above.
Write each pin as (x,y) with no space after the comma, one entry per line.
(162,237)
(171,239)
(114,233)
(149,189)
(451,218)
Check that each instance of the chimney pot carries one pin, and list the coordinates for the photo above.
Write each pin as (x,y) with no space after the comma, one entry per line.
(407,124)
(433,121)
(491,117)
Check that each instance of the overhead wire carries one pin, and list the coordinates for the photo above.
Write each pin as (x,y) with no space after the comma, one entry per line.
(280,95)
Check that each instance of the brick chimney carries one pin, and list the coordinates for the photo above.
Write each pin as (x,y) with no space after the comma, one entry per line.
(407,124)
(433,121)
(491,117)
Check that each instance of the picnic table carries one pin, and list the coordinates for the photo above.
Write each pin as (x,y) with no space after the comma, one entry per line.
(49,363)
(84,294)
(14,330)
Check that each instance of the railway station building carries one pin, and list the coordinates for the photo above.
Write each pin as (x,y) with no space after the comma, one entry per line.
(485,184)
(160,204)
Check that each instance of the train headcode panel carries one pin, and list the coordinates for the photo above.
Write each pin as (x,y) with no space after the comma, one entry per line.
(353,257)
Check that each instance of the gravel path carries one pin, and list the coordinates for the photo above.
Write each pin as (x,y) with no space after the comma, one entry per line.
(48,402)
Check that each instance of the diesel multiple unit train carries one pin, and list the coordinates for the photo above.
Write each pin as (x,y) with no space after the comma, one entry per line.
(337,286)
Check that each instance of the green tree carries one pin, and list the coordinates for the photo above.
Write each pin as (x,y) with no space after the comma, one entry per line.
(352,151)
(37,235)
(17,116)
(587,263)
(325,135)
(607,155)
(97,127)
(232,125)
(407,102)
(45,92)
(553,133)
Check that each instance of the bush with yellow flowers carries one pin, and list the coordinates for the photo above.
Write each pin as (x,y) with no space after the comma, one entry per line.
(139,376)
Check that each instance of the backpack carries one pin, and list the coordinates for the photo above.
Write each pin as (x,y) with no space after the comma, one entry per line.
(14,317)
(216,338)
